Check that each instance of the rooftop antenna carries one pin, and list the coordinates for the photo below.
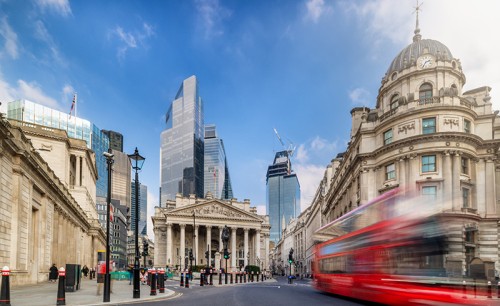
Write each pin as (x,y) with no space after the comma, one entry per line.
(417,35)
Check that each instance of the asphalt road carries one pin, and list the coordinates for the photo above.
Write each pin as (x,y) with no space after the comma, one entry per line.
(252,294)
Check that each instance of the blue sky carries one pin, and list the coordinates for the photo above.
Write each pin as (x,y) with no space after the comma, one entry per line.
(298,66)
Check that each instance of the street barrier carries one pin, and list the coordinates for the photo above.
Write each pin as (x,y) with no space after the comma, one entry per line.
(61,293)
(5,292)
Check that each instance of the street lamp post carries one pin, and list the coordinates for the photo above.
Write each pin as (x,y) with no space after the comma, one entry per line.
(107,279)
(137,162)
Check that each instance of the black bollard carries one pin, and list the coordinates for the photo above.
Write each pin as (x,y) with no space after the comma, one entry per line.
(236,278)
(90,274)
(161,280)
(245,277)
(211,280)
(220,277)
(5,295)
(61,293)
(225,277)
(187,280)
(489,289)
(252,276)
(182,279)
(241,278)
(153,281)
(201,277)
(231,278)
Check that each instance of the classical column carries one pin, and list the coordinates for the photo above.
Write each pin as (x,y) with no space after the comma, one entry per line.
(457,196)
(196,250)
(245,241)
(257,244)
(266,261)
(233,247)
(221,245)
(209,242)
(170,261)
(402,172)
(182,251)
(447,184)
(490,187)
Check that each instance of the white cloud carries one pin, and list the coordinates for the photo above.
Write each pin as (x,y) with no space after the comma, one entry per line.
(152,202)
(309,176)
(301,154)
(316,8)
(261,209)
(466,27)
(61,7)
(212,14)
(42,34)
(360,96)
(10,38)
(133,39)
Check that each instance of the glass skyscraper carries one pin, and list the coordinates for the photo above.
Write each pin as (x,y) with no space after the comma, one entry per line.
(27,111)
(182,145)
(143,208)
(217,180)
(283,194)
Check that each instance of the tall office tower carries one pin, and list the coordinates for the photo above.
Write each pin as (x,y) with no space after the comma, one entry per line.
(27,111)
(121,177)
(143,208)
(182,146)
(115,140)
(283,194)
(217,180)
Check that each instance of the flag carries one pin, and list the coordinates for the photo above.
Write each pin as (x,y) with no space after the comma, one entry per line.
(72,105)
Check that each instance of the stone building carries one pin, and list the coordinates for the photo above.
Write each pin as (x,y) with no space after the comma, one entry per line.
(48,213)
(427,135)
(196,224)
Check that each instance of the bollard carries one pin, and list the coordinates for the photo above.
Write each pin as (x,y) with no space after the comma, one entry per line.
(220,277)
(152,272)
(262,277)
(252,277)
(5,295)
(211,280)
(182,279)
(489,289)
(187,280)
(225,277)
(245,277)
(231,278)
(241,278)
(161,280)
(257,276)
(201,277)
(61,293)
(236,278)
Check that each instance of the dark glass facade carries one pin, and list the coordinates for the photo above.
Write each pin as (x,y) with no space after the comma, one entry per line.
(115,140)
(182,145)
(283,194)
(143,208)
(217,180)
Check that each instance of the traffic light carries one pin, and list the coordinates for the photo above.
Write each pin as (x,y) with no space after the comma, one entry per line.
(145,248)
(191,257)
(206,256)
(226,254)
(290,258)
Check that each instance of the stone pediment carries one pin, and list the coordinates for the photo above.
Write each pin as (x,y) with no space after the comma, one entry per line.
(215,210)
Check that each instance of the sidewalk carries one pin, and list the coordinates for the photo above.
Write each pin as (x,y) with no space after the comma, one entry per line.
(45,294)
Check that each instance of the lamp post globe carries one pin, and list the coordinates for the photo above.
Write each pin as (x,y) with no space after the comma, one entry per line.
(137,161)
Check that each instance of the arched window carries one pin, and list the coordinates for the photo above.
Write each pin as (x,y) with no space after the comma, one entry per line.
(394,102)
(425,93)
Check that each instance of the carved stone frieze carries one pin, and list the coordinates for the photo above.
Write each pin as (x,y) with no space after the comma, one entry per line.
(405,127)
(451,121)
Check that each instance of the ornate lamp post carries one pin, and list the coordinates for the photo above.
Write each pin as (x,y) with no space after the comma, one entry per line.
(137,162)
(107,278)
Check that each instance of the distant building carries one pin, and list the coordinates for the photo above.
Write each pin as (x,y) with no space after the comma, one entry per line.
(182,146)
(115,140)
(217,180)
(143,208)
(283,194)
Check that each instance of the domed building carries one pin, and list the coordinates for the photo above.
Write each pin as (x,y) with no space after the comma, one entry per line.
(426,135)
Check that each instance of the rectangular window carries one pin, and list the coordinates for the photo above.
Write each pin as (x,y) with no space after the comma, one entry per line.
(430,191)
(388,137)
(429,163)
(465,198)
(390,172)
(466,126)
(428,125)
(465,165)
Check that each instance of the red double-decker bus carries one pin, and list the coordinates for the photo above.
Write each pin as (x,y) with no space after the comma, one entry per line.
(390,251)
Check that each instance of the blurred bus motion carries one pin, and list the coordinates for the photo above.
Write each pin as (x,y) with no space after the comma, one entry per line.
(392,251)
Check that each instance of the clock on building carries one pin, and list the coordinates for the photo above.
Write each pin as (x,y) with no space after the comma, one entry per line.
(425,61)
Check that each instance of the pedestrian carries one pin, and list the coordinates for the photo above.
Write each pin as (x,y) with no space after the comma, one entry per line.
(85,271)
(53,273)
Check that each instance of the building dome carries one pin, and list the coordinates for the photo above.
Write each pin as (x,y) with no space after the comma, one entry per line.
(409,55)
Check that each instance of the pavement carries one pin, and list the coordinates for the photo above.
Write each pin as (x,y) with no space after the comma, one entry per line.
(45,294)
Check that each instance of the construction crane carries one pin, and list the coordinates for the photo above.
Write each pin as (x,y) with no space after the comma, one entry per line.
(290,149)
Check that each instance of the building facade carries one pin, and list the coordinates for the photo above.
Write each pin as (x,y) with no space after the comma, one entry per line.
(216,172)
(182,145)
(283,194)
(48,208)
(115,140)
(143,208)
(425,135)
(196,225)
